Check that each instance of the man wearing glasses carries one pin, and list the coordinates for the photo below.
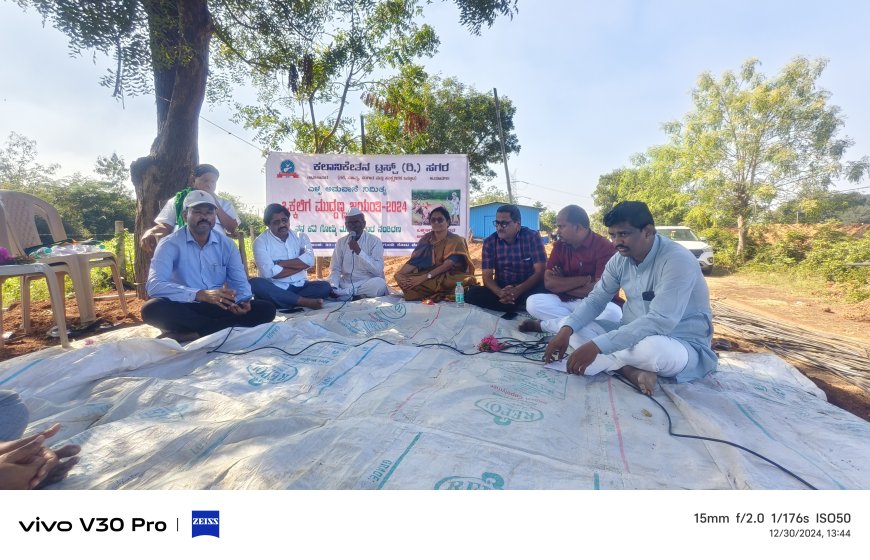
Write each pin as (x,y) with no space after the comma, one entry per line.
(513,264)
(666,326)
(283,259)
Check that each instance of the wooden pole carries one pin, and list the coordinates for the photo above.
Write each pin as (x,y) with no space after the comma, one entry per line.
(507,174)
(120,249)
(240,235)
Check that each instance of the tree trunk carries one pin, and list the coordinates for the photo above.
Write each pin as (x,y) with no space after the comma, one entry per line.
(741,237)
(180,34)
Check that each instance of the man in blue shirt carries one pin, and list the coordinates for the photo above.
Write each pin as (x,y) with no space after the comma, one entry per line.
(513,263)
(666,326)
(197,280)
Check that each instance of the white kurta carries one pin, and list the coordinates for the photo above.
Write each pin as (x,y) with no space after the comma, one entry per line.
(350,271)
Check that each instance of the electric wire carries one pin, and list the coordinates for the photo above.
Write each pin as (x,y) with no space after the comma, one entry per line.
(705,438)
(525,349)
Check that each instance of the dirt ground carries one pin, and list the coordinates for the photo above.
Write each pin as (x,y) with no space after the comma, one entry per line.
(850,322)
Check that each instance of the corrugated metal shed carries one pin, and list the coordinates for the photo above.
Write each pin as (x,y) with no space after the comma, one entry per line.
(482,216)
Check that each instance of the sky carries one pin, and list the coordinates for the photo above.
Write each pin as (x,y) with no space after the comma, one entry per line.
(593,82)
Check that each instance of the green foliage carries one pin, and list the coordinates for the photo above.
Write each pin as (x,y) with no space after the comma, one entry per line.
(87,206)
(547,220)
(18,165)
(488,194)
(788,251)
(310,59)
(824,253)
(646,183)
(832,260)
(856,215)
(752,142)
(248,215)
(752,150)
(415,113)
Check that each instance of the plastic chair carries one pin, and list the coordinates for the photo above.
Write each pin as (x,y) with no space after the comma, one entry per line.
(54,292)
(53,276)
(21,212)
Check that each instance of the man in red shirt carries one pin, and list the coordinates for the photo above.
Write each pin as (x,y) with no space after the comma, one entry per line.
(575,264)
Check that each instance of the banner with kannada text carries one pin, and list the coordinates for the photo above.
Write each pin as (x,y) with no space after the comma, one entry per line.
(395,193)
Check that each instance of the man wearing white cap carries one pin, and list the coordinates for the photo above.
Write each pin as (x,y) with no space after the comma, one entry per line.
(197,282)
(357,265)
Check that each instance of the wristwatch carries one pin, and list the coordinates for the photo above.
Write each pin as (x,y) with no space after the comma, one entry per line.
(429,276)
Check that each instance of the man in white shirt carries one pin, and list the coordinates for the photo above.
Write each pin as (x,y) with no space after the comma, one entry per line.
(283,259)
(171,216)
(357,265)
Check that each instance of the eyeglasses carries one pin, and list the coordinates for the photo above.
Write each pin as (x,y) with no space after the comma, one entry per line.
(437,220)
(502,224)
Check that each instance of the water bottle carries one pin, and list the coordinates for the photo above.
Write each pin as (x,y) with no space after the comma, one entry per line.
(460,295)
(42,252)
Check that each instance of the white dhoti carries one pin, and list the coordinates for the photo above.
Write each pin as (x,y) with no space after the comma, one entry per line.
(660,354)
(552,311)
(373,287)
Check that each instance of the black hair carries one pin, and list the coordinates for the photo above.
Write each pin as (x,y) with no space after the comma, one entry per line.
(512,210)
(573,214)
(273,209)
(441,210)
(204,168)
(636,213)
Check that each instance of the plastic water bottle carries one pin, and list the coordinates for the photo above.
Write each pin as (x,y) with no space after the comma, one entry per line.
(459,292)
(41,253)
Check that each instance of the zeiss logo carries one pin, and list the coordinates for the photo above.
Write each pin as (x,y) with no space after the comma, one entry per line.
(205,523)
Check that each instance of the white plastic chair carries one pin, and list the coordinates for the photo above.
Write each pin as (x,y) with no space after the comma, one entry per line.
(52,276)
(21,212)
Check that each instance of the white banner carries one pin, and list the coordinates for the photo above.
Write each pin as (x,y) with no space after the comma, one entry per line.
(396,194)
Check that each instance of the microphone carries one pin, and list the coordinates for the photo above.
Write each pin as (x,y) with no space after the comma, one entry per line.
(353,235)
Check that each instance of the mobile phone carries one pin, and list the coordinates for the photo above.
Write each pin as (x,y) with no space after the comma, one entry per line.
(509,315)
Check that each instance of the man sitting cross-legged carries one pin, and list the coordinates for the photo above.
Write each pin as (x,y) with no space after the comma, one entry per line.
(666,327)
(357,265)
(283,259)
(575,265)
(197,282)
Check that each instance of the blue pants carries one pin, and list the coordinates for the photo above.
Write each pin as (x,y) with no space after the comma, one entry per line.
(202,318)
(264,288)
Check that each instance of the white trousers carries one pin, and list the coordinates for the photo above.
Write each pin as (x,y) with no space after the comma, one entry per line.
(373,287)
(660,354)
(552,311)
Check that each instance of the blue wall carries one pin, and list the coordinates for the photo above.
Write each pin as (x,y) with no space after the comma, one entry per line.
(481,218)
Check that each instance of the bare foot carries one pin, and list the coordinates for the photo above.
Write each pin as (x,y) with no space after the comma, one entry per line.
(530,325)
(310,303)
(643,379)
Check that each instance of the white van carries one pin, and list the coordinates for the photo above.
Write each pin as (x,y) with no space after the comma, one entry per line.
(697,245)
